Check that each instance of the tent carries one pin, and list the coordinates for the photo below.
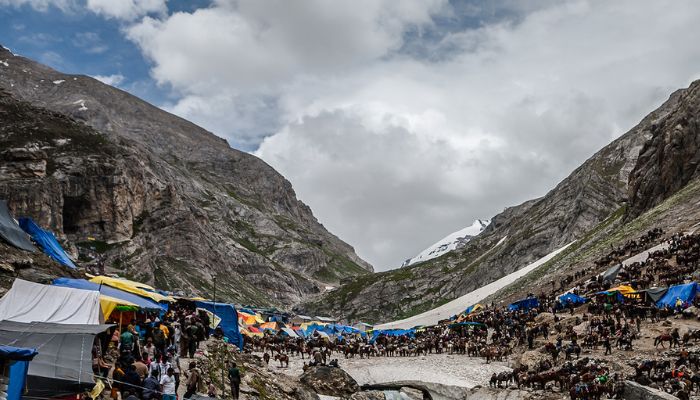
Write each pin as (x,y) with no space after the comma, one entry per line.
(623,289)
(466,323)
(126,285)
(274,326)
(653,295)
(473,308)
(685,292)
(137,301)
(572,298)
(47,241)
(63,365)
(14,374)
(611,273)
(290,332)
(29,302)
(11,232)
(229,320)
(524,304)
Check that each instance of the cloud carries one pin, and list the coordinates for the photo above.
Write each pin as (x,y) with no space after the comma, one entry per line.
(400,122)
(127,10)
(112,80)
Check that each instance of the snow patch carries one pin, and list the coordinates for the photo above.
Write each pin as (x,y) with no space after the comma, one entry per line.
(4,62)
(449,242)
(58,82)
(81,102)
(460,304)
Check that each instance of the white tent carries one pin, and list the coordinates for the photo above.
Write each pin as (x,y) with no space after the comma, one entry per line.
(33,302)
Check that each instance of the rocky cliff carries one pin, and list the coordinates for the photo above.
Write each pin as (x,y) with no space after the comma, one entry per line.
(594,194)
(134,190)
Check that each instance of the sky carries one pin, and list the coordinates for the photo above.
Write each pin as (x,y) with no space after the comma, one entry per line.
(398,122)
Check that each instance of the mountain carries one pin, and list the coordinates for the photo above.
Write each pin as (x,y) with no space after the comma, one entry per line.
(629,185)
(450,242)
(133,190)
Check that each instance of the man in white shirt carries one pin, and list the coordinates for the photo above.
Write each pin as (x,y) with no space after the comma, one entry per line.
(167,382)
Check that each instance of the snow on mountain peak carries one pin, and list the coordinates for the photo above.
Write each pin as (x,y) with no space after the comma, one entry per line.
(449,242)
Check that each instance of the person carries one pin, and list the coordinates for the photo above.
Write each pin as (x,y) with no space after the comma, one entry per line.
(149,350)
(211,389)
(167,382)
(99,366)
(141,368)
(234,377)
(130,395)
(127,340)
(607,345)
(174,360)
(193,378)
(151,386)
(118,377)
(132,381)
(192,339)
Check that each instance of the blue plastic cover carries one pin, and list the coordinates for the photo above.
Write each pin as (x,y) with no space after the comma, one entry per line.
(524,304)
(17,353)
(142,302)
(47,241)
(229,320)
(572,298)
(686,293)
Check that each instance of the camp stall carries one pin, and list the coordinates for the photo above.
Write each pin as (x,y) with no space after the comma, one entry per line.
(524,304)
(63,366)
(14,363)
(685,293)
(571,298)
(136,288)
(229,320)
(28,302)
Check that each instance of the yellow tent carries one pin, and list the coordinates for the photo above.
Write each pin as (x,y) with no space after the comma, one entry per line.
(269,325)
(109,304)
(623,289)
(137,288)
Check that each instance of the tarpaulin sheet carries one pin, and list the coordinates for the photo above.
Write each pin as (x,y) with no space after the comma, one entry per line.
(28,302)
(11,232)
(686,293)
(18,378)
(138,288)
(229,320)
(47,241)
(64,358)
(654,294)
(571,298)
(16,353)
(524,304)
(106,290)
(611,273)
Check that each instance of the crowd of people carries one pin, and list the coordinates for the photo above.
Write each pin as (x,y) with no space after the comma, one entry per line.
(141,360)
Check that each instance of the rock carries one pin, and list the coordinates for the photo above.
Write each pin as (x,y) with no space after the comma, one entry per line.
(667,323)
(368,395)
(635,391)
(329,381)
(533,358)
(545,317)
(692,310)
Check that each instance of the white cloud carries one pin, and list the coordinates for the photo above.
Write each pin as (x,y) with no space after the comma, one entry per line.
(112,80)
(127,10)
(393,151)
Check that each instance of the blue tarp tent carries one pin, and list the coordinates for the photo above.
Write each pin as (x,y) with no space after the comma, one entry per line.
(392,332)
(142,302)
(575,299)
(18,360)
(229,320)
(47,241)
(524,304)
(686,293)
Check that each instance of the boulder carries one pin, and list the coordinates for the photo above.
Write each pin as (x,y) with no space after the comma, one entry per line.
(368,395)
(330,381)
(635,391)
(533,358)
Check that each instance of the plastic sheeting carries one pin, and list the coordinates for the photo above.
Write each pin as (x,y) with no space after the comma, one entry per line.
(653,295)
(18,364)
(137,288)
(64,362)
(16,353)
(571,298)
(229,320)
(611,273)
(524,304)
(686,293)
(47,241)
(140,302)
(11,232)
(30,302)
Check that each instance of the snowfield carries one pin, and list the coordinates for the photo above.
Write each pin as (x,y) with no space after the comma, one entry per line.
(459,304)
(449,242)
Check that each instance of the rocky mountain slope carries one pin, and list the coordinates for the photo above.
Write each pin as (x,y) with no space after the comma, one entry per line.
(617,184)
(153,197)
(449,243)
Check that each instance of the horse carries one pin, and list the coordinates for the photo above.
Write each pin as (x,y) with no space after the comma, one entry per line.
(283,359)
(664,337)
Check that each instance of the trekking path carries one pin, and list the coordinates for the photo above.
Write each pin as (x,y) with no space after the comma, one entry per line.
(459,304)
(454,370)
(641,257)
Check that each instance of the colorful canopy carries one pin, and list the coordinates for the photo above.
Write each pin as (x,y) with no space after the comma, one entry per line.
(126,285)
(685,293)
(47,241)
(122,298)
